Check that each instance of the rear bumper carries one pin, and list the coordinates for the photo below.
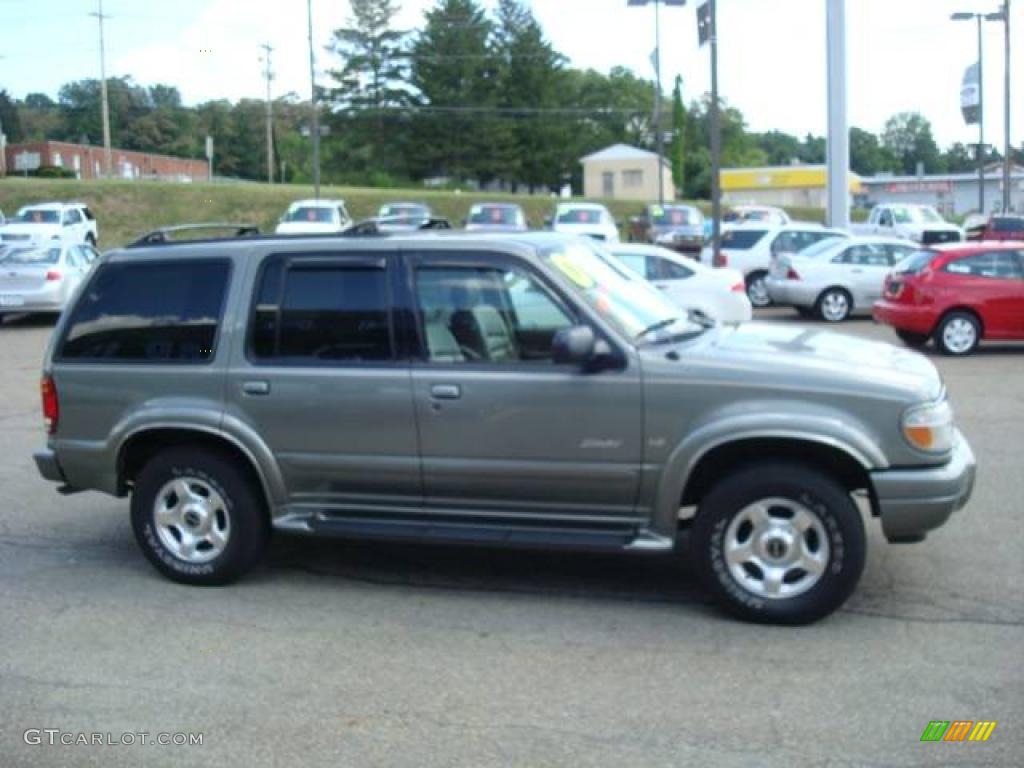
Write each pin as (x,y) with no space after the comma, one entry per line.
(49,468)
(905,318)
(915,501)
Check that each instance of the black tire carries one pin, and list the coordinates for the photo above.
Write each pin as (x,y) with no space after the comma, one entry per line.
(819,496)
(757,291)
(911,339)
(944,333)
(243,505)
(834,305)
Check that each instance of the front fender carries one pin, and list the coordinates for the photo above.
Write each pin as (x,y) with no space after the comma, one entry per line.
(799,422)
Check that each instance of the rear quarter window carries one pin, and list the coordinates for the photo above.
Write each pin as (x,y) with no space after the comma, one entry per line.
(148,313)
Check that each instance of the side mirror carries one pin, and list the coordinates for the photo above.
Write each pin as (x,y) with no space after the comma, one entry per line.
(574,345)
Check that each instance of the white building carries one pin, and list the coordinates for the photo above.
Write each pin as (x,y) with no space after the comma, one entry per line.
(952,194)
(622,172)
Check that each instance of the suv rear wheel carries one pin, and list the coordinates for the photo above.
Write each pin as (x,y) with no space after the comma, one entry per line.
(779,543)
(197,517)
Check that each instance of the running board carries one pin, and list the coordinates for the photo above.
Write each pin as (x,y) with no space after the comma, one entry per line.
(541,537)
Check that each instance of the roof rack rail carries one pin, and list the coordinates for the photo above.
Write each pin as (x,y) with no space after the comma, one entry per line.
(163,234)
(370,227)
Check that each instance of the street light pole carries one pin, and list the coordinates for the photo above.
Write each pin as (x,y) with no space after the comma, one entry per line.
(659,139)
(838,125)
(315,122)
(1006,108)
(981,122)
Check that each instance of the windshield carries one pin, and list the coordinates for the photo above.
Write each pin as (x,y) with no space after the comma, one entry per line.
(581,216)
(502,215)
(676,216)
(823,248)
(623,299)
(404,212)
(29,257)
(317,214)
(915,262)
(919,214)
(742,239)
(37,216)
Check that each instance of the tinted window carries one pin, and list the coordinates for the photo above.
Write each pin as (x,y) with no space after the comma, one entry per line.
(1007,224)
(317,214)
(38,216)
(72,217)
(582,216)
(670,270)
(999,265)
(742,239)
(867,255)
(322,312)
(149,313)
(487,315)
(915,262)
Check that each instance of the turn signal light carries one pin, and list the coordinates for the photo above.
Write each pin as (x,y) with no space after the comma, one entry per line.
(51,408)
(720,260)
(792,274)
(740,287)
(52,275)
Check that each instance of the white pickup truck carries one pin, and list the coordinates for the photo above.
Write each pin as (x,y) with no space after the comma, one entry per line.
(910,221)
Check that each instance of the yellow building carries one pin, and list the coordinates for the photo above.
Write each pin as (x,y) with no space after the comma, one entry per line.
(622,172)
(784,185)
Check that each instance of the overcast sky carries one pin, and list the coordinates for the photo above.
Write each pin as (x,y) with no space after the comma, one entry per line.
(903,54)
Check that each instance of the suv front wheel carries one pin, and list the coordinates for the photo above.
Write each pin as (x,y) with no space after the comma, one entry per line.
(779,543)
(197,517)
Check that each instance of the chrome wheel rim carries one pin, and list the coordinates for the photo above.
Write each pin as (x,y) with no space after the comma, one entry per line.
(959,335)
(835,306)
(757,292)
(776,548)
(191,520)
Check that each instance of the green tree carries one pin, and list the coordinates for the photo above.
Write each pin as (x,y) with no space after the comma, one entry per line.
(370,83)
(867,155)
(455,72)
(677,149)
(779,148)
(527,144)
(908,136)
(10,120)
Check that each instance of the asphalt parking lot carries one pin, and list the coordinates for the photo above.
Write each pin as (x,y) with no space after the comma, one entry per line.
(338,653)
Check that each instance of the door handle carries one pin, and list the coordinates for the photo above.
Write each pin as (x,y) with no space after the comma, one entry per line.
(445,391)
(256,388)
(857,271)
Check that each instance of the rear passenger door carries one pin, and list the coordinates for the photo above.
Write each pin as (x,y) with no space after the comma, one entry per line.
(505,432)
(320,379)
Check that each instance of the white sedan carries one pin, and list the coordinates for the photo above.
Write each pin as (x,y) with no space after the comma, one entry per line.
(314,217)
(41,277)
(721,294)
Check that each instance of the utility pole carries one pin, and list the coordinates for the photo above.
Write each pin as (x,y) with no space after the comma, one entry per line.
(268,73)
(981,121)
(315,123)
(1006,109)
(838,126)
(105,104)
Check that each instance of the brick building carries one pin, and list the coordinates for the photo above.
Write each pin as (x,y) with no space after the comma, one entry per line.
(87,162)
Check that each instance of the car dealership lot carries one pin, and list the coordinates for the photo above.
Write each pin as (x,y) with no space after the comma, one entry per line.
(338,653)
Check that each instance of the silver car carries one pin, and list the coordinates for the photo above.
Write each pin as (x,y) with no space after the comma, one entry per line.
(835,278)
(43,276)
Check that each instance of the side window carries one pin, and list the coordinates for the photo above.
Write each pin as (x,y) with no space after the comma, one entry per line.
(478,314)
(635,262)
(71,217)
(885,218)
(670,270)
(322,311)
(155,312)
(74,257)
(999,265)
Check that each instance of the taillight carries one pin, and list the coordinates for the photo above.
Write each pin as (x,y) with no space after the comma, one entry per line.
(720,260)
(792,274)
(51,408)
(740,287)
(53,274)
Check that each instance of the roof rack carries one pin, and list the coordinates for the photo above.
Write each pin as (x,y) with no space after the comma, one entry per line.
(370,227)
(163,234)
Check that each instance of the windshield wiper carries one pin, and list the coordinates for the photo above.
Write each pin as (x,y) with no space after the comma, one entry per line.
(657,327)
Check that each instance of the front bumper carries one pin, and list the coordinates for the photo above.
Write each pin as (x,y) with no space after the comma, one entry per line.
(49,468)
(915,501)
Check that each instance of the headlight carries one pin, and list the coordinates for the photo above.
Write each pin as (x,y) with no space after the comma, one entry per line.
(929,428)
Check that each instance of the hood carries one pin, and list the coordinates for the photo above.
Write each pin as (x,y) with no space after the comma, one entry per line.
(305,228)
(800,357)
(30,231)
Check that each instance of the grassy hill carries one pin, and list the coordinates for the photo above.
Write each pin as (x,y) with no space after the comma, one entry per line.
(126,209)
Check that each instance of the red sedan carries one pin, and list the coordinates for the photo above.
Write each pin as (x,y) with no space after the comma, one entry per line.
(956,295)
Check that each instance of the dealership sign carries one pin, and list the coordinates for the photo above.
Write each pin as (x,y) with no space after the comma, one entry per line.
(970,95)
(903,187)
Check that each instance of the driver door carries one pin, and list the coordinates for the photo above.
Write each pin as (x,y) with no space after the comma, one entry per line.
(503,429)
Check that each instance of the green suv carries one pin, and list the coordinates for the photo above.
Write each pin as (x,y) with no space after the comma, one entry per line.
(520,390)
